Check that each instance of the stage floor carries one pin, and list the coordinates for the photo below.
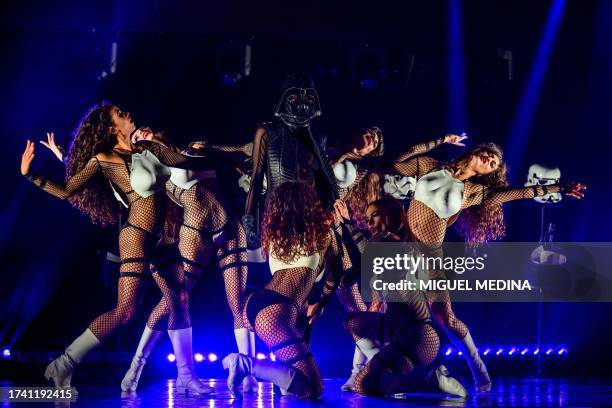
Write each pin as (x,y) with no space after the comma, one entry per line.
(508,392)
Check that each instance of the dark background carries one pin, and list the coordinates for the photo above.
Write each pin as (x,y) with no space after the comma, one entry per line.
(171,61)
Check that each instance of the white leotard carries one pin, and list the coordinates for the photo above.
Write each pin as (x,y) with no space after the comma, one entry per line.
(148,175)
(310,261)
(441,192)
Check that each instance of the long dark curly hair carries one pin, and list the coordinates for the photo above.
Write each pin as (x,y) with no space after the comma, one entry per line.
(91,137)
(295,223)
(479,224)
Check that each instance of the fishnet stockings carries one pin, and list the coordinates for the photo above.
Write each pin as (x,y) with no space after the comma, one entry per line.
(204,215)
(406,348)
(276,325)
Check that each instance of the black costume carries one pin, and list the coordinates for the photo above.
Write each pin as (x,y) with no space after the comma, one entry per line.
(287,149)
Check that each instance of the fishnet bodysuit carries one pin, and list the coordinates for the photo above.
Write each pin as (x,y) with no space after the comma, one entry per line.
(205,216)
(426,227)
(277,324)
(407,339)
(350,297)
(135,239)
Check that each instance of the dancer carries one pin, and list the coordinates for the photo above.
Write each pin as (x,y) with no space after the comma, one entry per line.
(99,161)
(359,183)
(206,227)
(474,185)
(287,149)
(298,239)
(402,343)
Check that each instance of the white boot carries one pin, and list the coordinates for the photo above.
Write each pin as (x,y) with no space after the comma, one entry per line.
(359,361)
(240,366)
(187,381)
(60,370)
(466,345)
(448,384)
(245,340)
(367,347)
(147,343)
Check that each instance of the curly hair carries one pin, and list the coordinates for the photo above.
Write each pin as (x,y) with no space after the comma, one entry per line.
(91,137)
(393,215)
(366,191)
(295,223)
(482,223)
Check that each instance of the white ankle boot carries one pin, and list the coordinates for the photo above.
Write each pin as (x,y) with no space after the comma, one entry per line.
(245,340)
(187,381)
(359,361)
(239,366)
(148,341)
(60,370)
(466,345)
(448,384)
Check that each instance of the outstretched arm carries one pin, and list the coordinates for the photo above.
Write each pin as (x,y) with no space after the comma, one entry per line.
(172,158)
(62,191)
(480,195)
(423,148)
(417,167)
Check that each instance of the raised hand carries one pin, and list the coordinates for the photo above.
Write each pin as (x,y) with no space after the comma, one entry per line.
(573,189)
(456,140)
(54,147)
(27,157)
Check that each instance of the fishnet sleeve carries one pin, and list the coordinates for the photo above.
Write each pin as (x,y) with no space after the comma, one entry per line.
(416,167)
(72,185)
(478,194)
(260,147)
(419,149)
(170,157)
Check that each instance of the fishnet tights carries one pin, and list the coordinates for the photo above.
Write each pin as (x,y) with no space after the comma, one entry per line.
(407,345)
(203,215)
(277,324)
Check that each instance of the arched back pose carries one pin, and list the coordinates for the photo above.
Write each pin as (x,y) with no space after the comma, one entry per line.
(100,161)
(359,183)
(207,227)
(473,188)
(402,343)
(298,239)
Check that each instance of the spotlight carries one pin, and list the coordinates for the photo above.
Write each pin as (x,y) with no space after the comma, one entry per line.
(272,357)
(449,351)
(6,352)
(261,356)
(198,357)
(487,351)
(562,351)
(524,352)
(212,357)
(549,351)
(171,358)
(501,350)
(460,353)
(512,351)
(536,352)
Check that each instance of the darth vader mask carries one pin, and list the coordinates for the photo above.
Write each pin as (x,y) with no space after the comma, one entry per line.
(299,102)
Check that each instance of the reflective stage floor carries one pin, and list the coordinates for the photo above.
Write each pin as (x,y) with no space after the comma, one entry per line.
(510,392)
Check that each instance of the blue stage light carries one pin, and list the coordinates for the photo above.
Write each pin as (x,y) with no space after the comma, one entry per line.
(260,356)
(212,357)
(171,358)
(487,351)
(198,357)
(449,351)
(6,353)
